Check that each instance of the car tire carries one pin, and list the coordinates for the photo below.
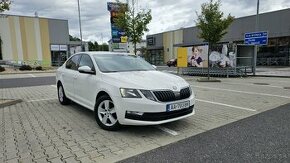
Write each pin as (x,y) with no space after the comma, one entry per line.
(105,114)
(61,95)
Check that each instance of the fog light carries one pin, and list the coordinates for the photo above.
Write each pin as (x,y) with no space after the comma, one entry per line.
(135,113)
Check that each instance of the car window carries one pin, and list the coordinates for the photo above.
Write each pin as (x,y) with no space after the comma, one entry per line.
(72,63)
(86,61)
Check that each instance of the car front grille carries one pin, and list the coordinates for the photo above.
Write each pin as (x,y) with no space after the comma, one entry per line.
(166,96)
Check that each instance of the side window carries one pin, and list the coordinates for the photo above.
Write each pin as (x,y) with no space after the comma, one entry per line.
(86,61)
(73,63)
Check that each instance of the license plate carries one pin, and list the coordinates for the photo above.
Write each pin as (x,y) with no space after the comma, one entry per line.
(177,106)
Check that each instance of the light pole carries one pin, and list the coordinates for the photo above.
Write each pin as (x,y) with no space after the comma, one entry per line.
(256,46)
(80,23)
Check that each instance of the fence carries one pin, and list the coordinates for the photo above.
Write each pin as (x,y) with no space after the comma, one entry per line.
(217,72)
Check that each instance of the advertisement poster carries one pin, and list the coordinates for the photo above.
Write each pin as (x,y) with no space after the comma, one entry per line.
(197,56)
(223,55)
(118,35)
(182,57)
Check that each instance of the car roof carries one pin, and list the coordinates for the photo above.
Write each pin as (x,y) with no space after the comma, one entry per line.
(104,52)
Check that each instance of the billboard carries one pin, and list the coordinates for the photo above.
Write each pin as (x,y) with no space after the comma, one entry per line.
(223,55)
(197,56)
(118,35)
(182,57)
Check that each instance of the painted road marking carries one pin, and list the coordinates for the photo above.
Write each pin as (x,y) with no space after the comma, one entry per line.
(53,86)
(45,99)
(253,93)
(272,86)
(167,130)
(32,75)
(227,105)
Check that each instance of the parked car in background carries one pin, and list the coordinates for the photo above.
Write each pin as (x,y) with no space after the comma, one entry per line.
(172,62)
(123,89)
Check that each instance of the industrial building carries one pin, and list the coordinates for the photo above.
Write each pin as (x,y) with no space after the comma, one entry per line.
(162,47)
(33,40)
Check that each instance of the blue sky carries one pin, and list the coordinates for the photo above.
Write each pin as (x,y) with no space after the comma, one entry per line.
(167,14)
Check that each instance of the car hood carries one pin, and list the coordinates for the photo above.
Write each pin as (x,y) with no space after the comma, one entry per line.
(149,80)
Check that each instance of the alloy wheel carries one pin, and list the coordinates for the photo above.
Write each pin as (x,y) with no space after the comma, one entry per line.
(107,113)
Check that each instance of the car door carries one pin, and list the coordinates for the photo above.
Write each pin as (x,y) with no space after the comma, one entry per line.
(69,75)
(85,84)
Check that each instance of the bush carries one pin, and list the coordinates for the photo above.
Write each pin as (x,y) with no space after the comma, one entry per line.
(2,69)
(25,67)
(38,68)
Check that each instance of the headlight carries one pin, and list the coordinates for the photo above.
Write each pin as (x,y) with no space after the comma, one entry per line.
(129,93)
(148,94)
(190,90)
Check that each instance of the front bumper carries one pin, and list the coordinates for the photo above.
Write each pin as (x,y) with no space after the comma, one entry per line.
(154,113)
(160,116)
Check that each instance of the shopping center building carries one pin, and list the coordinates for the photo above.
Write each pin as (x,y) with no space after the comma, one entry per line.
(163,46)
(33,40)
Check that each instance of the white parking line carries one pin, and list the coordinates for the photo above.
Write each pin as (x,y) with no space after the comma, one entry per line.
(253,93)
(53,86)
(32,75)
(167,130)
(227,105)
(45,99)
(272,86)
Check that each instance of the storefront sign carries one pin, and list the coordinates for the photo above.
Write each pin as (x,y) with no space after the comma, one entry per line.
(54,47)
(63,47)
(151,41)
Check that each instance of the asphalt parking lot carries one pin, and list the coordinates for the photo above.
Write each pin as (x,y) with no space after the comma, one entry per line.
(39,129)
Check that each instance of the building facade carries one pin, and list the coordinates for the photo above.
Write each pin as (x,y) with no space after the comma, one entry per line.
(33,40)
(163,46)
(139,47)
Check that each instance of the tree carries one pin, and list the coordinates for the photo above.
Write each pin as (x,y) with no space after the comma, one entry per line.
(93,46)
(4,5)
(134,24)
(212,23)
(104,47)
(72,38)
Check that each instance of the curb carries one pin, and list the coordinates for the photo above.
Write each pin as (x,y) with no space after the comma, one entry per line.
(270,76)
(27,72)
(209,81)
(12,102)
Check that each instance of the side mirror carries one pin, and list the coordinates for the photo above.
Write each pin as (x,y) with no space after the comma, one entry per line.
(86,70)
(155,67)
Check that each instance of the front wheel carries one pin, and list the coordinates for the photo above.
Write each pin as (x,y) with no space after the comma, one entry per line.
(61,95)
(105,114)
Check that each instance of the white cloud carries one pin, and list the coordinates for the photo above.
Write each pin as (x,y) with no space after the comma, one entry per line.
(167,14)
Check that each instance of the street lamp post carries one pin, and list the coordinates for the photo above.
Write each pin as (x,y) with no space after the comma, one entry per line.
(80,23)
(256,46)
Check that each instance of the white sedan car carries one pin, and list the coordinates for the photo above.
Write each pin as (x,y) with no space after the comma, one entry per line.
(123,89)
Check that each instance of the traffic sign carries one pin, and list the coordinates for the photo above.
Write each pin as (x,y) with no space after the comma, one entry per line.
(256,38)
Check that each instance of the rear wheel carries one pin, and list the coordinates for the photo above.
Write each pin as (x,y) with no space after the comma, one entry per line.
(105,113)
(61,95)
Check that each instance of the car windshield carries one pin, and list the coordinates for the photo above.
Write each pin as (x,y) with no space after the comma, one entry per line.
(121,63)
